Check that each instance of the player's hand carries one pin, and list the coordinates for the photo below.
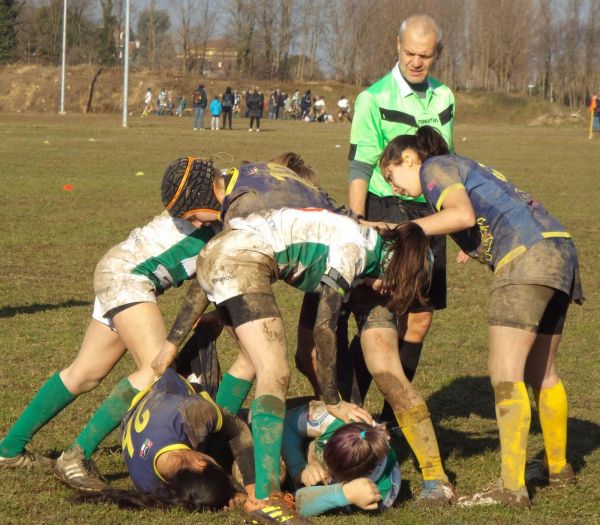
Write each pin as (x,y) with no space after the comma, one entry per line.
(165,357)
(363,493)
(313,475)
(349,413)
(236,501)
(462,257)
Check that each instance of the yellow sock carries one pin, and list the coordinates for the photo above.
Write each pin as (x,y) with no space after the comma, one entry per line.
(553,408)
(417,428)
(513,414)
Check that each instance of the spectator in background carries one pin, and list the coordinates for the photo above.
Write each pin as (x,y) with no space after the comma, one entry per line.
(343,109)
(181,105)
(237,99)
(320,109)
(281,98)
(273,105)
(305,105)
(199,102)
(163,102)
(215,113)
(227,102)
(254,103)
(147,102)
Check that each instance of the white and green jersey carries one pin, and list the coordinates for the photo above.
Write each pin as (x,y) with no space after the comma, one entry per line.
(307,244)
(164,251)
(390,108)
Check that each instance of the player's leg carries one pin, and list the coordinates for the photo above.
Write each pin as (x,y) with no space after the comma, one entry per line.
(550,397)
(380,346)
(142,331)
(101,349)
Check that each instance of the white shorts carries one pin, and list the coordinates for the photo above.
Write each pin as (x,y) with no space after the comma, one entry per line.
(116,286)
(236,263)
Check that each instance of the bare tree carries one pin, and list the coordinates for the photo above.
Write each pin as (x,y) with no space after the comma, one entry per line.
(187,9)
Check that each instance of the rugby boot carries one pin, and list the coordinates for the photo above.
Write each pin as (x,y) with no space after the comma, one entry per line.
(497,494)
(537,474)
(26,459)
(278,508)
(435,492)
(77,471)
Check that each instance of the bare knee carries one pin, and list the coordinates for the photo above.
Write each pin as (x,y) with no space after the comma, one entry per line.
(417,326)
(80,381)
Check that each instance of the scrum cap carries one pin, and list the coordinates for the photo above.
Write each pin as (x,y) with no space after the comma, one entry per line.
(188,185)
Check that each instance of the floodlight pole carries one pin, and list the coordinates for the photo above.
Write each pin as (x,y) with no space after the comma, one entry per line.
(64,59)
(126,64)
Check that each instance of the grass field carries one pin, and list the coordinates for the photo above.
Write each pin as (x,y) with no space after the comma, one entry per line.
(51,240)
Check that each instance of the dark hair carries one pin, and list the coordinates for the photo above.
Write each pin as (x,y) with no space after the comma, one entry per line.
(295,162)
(209,489)
(407,270)
(427,142)
(354,450)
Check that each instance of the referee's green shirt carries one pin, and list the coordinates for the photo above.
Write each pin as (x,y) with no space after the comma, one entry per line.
(390,108)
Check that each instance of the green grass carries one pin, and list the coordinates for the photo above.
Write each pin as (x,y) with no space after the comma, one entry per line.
(51,240)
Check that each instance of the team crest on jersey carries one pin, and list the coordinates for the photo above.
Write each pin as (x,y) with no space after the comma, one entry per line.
(431,184)
(145,448)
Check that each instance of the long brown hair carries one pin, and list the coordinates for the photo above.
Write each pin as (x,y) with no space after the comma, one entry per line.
(296,163)
(427,142)
(407,272)
(354,450)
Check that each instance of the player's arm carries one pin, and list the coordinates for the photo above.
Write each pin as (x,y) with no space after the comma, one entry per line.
(194,305)
(365,149)
(237,433)
(456,214)
(328,311)
(293,444)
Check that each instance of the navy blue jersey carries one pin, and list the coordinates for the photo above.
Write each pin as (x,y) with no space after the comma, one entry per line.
(509,221)
(158,422)
(271,187)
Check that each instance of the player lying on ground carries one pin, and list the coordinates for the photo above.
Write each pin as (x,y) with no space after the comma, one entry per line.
(168,438)
(125,317)
(346,467)
(536,276)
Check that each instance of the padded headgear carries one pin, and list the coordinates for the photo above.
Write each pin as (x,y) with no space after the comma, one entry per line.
(188,185)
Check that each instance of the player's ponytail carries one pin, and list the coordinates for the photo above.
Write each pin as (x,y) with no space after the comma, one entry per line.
(354,450)
(427,142)
(209,489)
(296,163)
(430,143)
(407,270)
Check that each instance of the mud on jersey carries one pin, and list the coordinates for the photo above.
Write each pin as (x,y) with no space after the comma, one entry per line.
(164,251)
(157,422)
(269,186)
(308,243)
(508,220)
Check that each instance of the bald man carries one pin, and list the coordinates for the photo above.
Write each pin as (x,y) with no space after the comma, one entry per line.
(398,104)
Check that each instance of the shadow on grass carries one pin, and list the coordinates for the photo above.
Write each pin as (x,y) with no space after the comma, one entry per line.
(11,311)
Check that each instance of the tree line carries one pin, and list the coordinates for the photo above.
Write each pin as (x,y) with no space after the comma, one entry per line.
(546,48)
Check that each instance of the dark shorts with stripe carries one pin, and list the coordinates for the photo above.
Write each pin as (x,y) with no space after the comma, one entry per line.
(395,210)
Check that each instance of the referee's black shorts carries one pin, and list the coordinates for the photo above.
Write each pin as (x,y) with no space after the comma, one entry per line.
(396,210)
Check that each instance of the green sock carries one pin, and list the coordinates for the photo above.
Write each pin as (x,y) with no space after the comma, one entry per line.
(232,392)
(268,415)
(107,417)
(50,399)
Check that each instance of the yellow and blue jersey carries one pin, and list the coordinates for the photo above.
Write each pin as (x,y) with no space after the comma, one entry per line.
(273,187)
(509,221)
(157,422)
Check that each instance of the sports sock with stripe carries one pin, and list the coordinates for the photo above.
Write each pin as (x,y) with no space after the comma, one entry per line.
(417,428)
(107,417)
(232,392)
(553,411)
(513,415)
(50,399)
(268,415)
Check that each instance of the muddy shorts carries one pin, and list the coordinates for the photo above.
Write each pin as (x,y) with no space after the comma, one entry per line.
(236,269)
(533,292)
(395,210)
(115,286)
